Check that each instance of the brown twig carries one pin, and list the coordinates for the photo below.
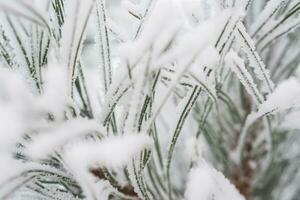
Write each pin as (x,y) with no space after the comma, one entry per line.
(126,190)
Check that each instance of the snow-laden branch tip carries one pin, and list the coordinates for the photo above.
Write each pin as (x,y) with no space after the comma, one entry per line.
(112,152)
(285,96)
(206,183)
(47,142)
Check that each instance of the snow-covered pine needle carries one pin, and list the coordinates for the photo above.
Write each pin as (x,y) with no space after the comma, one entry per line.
(269,11)
(185,108)
(143,103)
(73,34)
(255,61)
(25,10)
(103,43)
(237,65)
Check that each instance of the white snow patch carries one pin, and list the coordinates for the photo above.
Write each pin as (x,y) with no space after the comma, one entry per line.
(285,96)
(115,151)
(48,141)
(207,183)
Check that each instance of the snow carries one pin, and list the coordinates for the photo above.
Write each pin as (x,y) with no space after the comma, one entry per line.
(9,168)
(29,10)
(285,96)
(291,121)
(204,70)
(196,148)
(112,152)
(206,183)
(199,10)
(185,44)
(15,101)
(119,32)
(54,97)
(156,25)
(191,44)
(46,142)
(22,111)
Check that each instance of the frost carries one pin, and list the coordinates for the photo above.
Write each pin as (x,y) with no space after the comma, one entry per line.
(207,183)
(72,36)
(232,17)
(255,61)
(237,65)
(269,11)
(23,8)
(103,44)
(183,110)
(279,31)
(133,168)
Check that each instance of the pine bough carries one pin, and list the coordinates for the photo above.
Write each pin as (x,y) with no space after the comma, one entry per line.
(187,99)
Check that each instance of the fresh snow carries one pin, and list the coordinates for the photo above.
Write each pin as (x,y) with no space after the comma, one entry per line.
(285,96)
(46,142)
(206,183)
